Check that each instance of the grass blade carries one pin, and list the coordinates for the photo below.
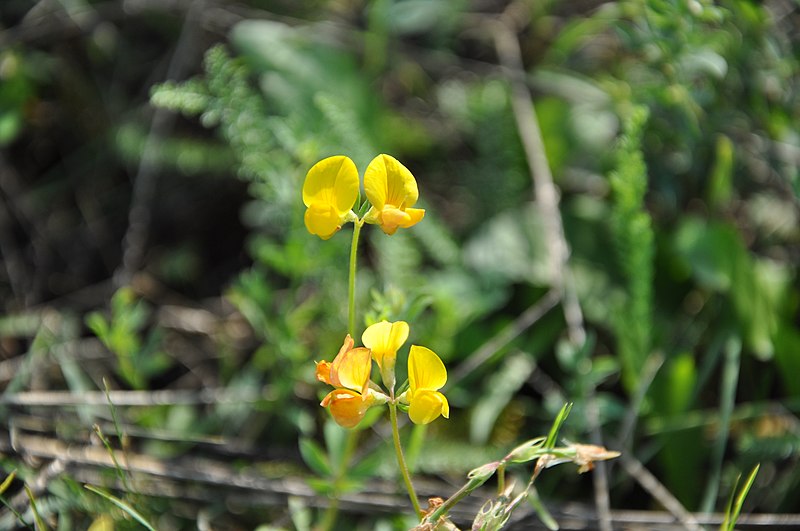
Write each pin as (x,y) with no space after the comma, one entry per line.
(37,518)
(7,481)
(557,423)
(735,507)
(122,505)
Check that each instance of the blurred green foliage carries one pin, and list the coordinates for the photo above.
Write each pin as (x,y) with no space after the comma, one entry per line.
(671,131)
(138,360)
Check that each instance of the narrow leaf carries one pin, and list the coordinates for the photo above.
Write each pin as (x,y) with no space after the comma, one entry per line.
(734,509)
(7,481)
(37,518)
(122,505)
(560,418)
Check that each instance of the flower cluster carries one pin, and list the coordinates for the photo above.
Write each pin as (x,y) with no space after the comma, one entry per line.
(354,392)
(331,190)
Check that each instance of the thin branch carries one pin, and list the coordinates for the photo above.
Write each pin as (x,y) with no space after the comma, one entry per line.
(524,321)
(211,481)
(657,490)
(144,185)
(547,197)
(130,398)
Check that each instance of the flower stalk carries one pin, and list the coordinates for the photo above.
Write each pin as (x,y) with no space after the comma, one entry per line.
(351,286)
(401,462)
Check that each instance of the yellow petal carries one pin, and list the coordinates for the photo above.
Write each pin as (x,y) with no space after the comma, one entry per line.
(347,407)
(353,369)
(425,370)
(332,182)
(322,220)
(388,182)
(384,339)
(391,218)
(426,406)
(415,215)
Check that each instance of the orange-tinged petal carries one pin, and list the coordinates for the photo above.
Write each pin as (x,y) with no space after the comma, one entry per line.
(333,182)
(337,361)
(347,407)
(426,406)
(324,372)
(415,215)
(353,369)
(425,370)
(392,218)
(384,339)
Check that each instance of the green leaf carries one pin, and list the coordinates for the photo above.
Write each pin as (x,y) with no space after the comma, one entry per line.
(98,325)
(557,423)
(527,451)
(190,97)
(511,246)
(672,393)
(367,466)
(335,437)
(315,457)
(710,250)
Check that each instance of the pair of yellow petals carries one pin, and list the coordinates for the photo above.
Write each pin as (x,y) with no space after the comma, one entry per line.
(331,189)
(350,370)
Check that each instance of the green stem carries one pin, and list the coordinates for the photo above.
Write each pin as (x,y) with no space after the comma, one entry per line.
(351,291)
(330,516)
(444,508)
(501,479)
(401,462)
(329,519)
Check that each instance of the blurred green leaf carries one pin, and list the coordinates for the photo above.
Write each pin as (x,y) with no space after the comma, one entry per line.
(315,457)
(711,250)
(510,246)
(720,186)
(681,453)
(499,389)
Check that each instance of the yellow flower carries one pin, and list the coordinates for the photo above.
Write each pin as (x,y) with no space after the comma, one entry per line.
(349,373)
(384,339)
(392,190)
(329,193)
(426,375)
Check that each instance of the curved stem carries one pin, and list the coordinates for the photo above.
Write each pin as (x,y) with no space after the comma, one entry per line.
(401,462)
(332,512)
(351,290)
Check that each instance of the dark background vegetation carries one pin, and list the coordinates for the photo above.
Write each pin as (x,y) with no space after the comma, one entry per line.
(157,248)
